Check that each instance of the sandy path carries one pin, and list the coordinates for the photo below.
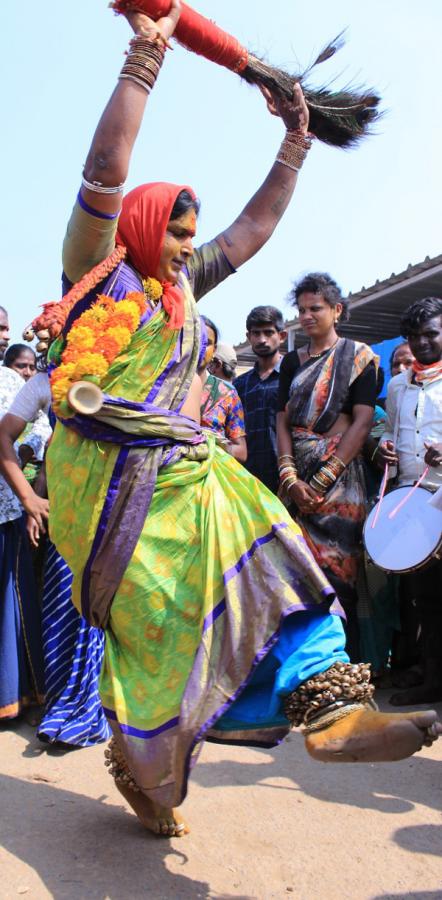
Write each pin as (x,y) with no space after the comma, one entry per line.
(265,824)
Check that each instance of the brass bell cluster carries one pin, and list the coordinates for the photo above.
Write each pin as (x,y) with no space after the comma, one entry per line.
(43,338)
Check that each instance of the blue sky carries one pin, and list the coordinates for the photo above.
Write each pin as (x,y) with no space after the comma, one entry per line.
(359,214)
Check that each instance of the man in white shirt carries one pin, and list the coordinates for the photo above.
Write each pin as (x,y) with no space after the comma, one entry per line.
(411,442)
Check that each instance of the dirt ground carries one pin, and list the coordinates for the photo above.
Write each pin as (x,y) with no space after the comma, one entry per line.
(265,824)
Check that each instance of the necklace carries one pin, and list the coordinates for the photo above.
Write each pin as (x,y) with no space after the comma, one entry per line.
(317,355)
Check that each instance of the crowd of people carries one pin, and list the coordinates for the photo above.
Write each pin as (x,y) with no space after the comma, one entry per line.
(183,561)
(284,398)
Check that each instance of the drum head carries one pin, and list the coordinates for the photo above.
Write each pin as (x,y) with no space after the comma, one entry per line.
(410,538)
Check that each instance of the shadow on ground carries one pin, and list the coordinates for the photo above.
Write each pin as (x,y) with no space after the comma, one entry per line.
(415,895)
(83,847)
(100,851)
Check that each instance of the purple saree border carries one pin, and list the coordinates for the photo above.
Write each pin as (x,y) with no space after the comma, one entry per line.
(139,732)
(164,374)
(329,596)
(102,524)
(213,615)
(236,569)
(259,542)
(171,723)
(261,654)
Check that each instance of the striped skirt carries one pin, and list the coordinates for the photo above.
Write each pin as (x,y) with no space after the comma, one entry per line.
(73,654)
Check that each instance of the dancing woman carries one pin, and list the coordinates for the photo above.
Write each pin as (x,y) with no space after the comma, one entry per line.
(219,624)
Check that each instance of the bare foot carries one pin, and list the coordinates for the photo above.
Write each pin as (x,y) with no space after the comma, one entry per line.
(368,736)
(159,819)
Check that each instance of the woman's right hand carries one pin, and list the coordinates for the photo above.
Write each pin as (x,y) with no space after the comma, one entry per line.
(38,509)
(142,24)
(33,531)
(305,497)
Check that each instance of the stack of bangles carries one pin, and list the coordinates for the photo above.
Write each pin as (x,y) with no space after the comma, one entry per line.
(288,475)
(294,149)
(326,476)
(144,59)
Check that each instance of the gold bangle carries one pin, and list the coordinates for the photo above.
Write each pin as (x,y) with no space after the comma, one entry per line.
(336,462)
(285,488)
(292,477)
(294,149)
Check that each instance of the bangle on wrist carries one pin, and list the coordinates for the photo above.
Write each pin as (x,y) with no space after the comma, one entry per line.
(328,474)
(286,485)
(287,470)
(286,459)
(143,60)
(287,473)
(294,149)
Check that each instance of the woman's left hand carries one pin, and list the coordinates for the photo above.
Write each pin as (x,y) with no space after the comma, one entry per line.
(294,113)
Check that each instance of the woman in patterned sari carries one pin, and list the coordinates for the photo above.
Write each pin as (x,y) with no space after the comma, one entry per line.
(327,395)
(219,624)
(221,408)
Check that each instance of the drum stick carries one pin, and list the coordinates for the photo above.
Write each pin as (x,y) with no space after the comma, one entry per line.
(381,495)
(407,496)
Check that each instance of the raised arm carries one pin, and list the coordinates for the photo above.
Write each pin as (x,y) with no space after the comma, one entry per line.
(107,163)
(259,218)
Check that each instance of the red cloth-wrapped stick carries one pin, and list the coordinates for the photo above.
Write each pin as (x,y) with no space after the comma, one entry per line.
(195,32)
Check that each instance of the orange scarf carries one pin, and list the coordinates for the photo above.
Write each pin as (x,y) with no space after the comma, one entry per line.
(426,374)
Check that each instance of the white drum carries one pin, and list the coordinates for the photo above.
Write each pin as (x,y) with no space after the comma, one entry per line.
(410,539)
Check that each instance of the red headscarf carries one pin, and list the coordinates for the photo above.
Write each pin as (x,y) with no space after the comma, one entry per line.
(142,227)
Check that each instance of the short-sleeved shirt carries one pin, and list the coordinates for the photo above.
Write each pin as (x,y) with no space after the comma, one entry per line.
(33,400)
(10,385)
(259,397)
(221,409)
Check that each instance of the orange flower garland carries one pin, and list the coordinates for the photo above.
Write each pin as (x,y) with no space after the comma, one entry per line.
(98,336)
(54,315)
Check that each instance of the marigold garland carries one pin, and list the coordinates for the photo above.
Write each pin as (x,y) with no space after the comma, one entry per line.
(98,336)
(55,314)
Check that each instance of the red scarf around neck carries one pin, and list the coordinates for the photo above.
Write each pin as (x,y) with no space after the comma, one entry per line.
(426,374)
